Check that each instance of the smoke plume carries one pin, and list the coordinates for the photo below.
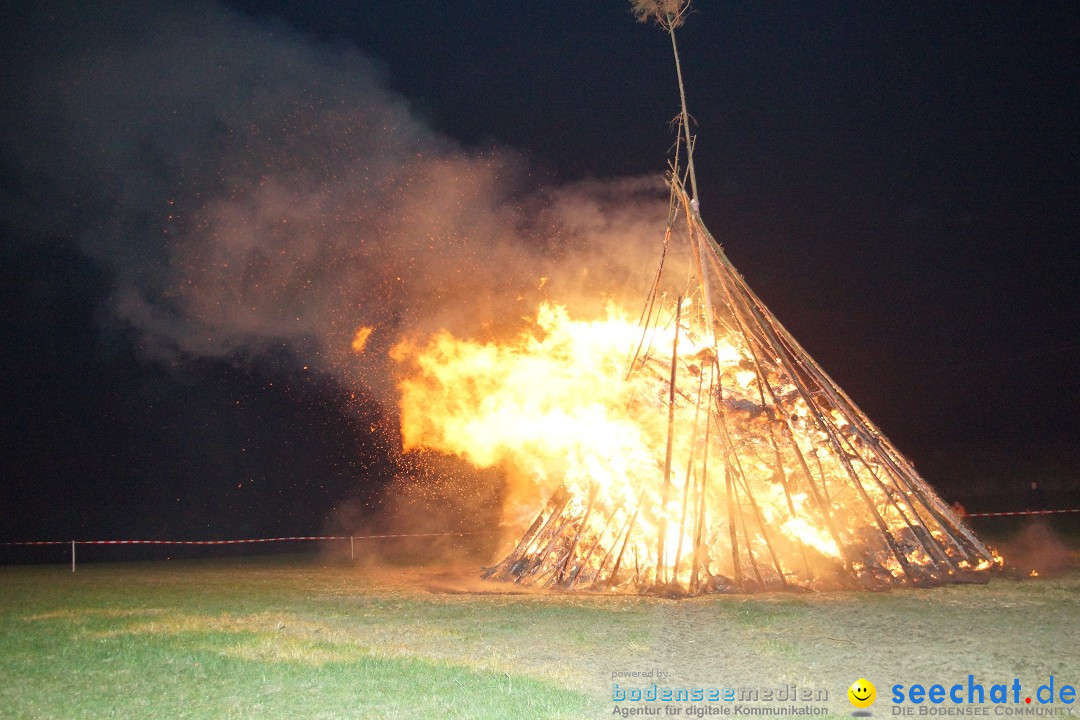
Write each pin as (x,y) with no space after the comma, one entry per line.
(255,192)
(248,187)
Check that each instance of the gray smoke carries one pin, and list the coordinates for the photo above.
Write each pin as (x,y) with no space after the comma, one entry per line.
(249,187)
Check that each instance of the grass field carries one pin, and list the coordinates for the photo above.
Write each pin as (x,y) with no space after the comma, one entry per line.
(304,638)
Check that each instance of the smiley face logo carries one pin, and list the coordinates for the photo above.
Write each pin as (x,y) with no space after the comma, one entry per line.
(862,693)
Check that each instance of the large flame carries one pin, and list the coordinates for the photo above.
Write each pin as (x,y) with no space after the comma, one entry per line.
(581,422)
(693,450)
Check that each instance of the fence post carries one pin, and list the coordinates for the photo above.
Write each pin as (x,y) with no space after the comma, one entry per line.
(72,556)
(352,555)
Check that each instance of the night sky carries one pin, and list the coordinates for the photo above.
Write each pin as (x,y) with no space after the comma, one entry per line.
(900,182)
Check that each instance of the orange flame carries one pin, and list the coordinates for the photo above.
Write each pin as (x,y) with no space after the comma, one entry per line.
(557,409)
(359,341)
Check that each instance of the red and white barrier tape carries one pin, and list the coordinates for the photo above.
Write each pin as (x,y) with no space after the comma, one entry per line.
(303,538)
(243,541)
(1023,512)
(40,542)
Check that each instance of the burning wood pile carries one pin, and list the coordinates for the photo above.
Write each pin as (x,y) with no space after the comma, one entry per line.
(768,476)
(699,449)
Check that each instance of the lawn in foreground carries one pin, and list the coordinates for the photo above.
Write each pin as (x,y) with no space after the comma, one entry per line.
(301,638)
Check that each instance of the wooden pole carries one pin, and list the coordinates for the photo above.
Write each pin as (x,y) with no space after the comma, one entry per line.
(352,554)
(699,524)
(682,524)
(629,530)
(686,482)
(72,556)
(821,473)
(685,121)
(733,528)
(661,573)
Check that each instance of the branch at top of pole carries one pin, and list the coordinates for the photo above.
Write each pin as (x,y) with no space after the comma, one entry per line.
(670,14)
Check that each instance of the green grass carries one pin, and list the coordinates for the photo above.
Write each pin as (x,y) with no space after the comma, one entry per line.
(297,639)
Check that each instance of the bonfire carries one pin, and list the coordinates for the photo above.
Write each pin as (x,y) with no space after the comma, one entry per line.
(695,448)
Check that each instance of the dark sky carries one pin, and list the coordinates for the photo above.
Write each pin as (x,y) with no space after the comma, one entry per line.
(900,182)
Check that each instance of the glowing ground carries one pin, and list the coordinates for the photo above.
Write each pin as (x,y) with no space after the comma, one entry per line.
(300,637)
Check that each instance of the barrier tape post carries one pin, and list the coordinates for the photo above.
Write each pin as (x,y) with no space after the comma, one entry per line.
(352,557)
(72,556)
